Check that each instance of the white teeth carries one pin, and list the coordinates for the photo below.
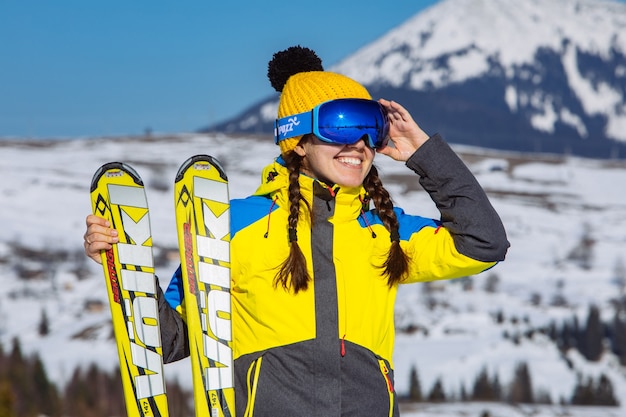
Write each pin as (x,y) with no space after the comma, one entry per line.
(350,161)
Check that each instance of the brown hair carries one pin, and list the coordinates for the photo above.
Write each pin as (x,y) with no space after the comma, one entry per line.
(395,266)
(397,263)
(295,264)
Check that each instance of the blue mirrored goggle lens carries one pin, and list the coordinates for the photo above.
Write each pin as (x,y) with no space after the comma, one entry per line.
(346,121)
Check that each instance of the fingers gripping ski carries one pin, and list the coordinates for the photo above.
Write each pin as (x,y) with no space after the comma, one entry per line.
(117,194)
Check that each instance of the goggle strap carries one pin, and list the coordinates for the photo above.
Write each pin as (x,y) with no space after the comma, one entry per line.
(294,125)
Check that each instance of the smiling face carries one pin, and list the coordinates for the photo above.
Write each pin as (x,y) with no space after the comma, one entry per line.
(345,165)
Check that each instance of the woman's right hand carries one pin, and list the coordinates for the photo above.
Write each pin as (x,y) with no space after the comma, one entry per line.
(404,132)
(98,237)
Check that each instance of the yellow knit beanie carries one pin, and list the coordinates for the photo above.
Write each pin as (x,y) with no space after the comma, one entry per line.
(298,74)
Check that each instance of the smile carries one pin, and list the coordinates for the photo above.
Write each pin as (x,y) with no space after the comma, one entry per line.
(349,160)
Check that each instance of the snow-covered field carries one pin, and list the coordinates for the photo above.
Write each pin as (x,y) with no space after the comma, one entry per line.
(548,205)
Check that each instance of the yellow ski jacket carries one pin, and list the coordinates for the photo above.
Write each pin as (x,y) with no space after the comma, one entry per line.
(327,351)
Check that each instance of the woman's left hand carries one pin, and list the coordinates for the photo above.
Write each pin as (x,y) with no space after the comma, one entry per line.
(404,132)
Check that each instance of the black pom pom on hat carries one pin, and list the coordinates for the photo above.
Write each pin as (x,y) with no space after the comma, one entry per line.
(290,61)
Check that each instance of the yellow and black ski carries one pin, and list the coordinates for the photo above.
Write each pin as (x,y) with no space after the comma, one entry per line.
(117,194)
(203,223)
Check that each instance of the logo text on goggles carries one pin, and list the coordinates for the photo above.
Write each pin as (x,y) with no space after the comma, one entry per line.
(288,127)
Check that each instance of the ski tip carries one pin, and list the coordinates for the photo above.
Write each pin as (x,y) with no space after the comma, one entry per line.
(200,158)
(110,168)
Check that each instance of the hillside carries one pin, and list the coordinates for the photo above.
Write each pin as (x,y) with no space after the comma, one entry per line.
(531,76)
(565,218)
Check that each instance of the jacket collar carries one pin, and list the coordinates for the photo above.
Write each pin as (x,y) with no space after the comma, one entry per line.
(275,184)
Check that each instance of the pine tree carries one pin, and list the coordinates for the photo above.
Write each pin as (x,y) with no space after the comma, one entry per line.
(467,283)
(542,397)
(603,394)
(78,390)
(552,331)
(463,394)
(483,390)
(437,393)
(499,317)
(19,376)
(591,345)
(569,336)
(521,387)
(558,299)
(491,283)
(619,276)
(117,405)
(618,338)
(415,390)
(497,388)
(575,334)
(95,393)
(26,391)
(7,399)
(179,400)
(44,324)
(98,396)
(45,392)
(583,392)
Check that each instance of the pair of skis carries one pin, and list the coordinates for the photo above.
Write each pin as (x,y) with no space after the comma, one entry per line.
(202,209)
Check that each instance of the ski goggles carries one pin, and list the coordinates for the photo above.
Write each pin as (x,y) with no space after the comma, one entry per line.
(341,122)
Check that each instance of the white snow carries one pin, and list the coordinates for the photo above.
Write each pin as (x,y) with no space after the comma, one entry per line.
(546,204)
(510,96)
(595,97)
(512,31)
(473,32)
(546,120)
(572,119)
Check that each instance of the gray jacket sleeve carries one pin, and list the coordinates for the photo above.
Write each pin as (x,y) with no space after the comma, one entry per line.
(173,330)
(465,209)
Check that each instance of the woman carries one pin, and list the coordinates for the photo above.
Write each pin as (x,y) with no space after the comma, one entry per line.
(318,251)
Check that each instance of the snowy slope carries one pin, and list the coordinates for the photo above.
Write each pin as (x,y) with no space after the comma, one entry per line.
(474,36)
(510,32)
(546,203)
(527,75)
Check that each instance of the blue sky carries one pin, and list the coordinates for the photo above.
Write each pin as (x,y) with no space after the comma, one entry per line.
(72,68)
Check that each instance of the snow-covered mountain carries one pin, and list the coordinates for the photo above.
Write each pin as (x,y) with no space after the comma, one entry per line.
(527,75)
(565,218)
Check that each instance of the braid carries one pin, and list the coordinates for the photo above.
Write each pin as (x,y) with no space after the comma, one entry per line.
(295,264)
(397,264)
